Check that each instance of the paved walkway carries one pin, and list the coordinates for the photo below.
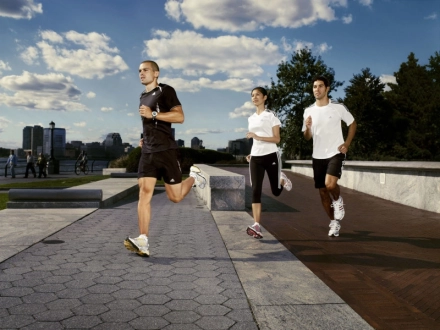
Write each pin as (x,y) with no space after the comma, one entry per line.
(204,273)
(386,262)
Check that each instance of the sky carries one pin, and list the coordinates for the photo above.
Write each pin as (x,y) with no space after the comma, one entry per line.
(75,62)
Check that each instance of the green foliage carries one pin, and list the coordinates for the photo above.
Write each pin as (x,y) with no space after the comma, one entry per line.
(291,94)
(364,99)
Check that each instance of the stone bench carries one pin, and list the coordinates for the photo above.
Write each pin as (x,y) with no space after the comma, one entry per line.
(54,198)
(224,191)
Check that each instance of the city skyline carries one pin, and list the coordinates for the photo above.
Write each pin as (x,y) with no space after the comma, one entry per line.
(76,63)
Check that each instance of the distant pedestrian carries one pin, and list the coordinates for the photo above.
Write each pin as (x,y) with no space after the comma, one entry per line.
(41,162)
(264,129)
(322,122)
(30,165)
(12,163)
(159,107)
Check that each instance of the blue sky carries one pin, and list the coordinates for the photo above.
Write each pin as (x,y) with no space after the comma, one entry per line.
(75,62)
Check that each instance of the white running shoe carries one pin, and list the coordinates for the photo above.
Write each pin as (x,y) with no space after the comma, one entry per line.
(338,207)
(196,173)
(254,231)
(139,245)
(334,228)
(287,182)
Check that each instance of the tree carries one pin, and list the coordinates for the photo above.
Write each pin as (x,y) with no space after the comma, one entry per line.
(373,115)
(291,94)
(412,99)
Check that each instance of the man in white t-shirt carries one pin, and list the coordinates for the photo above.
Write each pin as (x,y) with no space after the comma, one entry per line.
(322,122)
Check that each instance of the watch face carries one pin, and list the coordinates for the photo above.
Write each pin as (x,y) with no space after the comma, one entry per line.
(154,113)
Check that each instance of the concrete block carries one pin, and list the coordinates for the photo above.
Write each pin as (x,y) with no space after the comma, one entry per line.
(224,191)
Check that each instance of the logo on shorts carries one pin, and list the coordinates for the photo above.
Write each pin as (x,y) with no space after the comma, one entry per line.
(274,163)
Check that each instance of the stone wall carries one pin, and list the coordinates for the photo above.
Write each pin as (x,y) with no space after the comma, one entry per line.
(415,184)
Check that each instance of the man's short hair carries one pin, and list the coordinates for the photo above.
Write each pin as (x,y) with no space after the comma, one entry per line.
(153,64)
(323,79)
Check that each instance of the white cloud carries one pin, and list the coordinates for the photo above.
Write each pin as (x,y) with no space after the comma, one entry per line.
(432,16)
(4,123)
(367,3)
(247,109)
(105,109)
(90,95)
(80,124)
(19,9)
(85,55)
(29,55)
(195,54)
(320,49)
(4,66)
(388,79)
(251,15)
(201,131)
(51,91)
(347,19)
(184,85)
(241,130)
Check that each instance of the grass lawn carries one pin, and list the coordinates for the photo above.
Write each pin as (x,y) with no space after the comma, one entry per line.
(61,183)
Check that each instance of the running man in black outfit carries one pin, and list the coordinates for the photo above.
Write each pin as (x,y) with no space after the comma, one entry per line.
(159,108)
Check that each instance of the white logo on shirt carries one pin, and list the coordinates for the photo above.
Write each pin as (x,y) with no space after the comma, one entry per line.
(172,180)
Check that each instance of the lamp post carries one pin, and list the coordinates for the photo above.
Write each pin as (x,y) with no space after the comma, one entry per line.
(53,163)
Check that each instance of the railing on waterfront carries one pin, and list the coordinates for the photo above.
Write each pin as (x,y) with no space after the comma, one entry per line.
(66,166)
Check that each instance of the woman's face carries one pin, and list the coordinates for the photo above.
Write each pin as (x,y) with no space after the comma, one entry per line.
(258,98)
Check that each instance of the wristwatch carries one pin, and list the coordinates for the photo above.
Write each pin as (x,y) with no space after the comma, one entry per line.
(154,114)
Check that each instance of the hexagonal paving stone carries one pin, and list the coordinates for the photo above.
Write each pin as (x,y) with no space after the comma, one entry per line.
(118,316)
(16,292)
(244,326)
(211,299)
(182,294)
(217,310)
(16,321)
(53,316)
(103,288)
(28,309)
(154,299)
(182,286)
(181,317)
(241,315)
(63,304)
(72,293)
(52,287)
(81,322)
(58,279)
(97,298)
(151,310)
(182,278)
(148,323)
(124,304)
(127,294)
(182,305)
(39,298)
(237,304)
(31,282)
(159,289)
(215,322)
(90,309)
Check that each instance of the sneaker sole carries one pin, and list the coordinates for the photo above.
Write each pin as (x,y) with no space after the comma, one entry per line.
(255,234)
(131,247)
(333,235)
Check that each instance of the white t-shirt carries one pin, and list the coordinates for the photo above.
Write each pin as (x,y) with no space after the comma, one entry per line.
(326,127)
(262,126)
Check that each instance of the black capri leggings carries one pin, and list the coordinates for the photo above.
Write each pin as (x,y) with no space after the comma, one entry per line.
(271,164)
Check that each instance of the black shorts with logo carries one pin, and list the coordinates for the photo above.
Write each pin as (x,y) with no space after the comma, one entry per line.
(322,167)
(162,164)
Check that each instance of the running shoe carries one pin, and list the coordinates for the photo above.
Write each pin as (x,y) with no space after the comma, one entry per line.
(196,173)
(254,231)
(334,228)
(287,182)
(139,245)
(338,207)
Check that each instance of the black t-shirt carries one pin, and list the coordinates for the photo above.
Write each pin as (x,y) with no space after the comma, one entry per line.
(158,135)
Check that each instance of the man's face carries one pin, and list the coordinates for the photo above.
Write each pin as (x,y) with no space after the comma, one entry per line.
(319,90)
(147,73)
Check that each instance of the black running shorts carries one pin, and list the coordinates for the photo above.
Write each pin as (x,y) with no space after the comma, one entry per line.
(162,164)
(332,166)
